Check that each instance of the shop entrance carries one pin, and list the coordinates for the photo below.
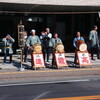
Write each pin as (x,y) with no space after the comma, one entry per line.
(65,25)
(37,23)
(6,27)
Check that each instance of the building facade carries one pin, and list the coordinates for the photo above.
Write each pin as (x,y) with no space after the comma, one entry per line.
(62,16)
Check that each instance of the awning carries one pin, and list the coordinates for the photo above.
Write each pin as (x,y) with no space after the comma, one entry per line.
(46,9)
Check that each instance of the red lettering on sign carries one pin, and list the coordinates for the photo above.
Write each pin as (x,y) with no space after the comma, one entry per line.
(38,61)
(85,60)
(61,61)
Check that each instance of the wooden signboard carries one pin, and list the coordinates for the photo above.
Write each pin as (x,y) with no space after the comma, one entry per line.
(60,59)
(83,58)
(37,60)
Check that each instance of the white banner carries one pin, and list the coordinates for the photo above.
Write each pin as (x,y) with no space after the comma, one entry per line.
(60,59)
(38,60)
(83,58)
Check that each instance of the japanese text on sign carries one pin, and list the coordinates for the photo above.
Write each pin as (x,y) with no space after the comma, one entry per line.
(38,60)
(83,58)
(60,59)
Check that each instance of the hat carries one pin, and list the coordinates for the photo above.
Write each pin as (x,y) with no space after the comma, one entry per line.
(32,30)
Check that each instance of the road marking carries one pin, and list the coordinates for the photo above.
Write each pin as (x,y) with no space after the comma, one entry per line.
(77,98)
(41,95)
(67,70)
(41,83)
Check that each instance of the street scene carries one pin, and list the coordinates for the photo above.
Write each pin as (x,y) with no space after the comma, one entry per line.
(50,83)
(89,90)
(49,50)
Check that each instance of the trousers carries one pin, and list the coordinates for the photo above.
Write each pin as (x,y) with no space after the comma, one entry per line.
(5,56)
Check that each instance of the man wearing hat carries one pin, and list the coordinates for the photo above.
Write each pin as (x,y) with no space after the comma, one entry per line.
(32,39)
(8,51)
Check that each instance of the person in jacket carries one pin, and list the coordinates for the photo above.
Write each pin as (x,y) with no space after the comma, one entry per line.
(53,43)
(8,51)
(78,37)
(55,40)
(32,39)
(93,37)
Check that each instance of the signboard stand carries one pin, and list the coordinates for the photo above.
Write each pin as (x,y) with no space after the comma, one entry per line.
(83,59)
(60,60)
(37,61)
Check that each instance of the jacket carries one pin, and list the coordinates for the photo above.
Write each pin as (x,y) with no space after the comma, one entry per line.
(93,37)
(11,41)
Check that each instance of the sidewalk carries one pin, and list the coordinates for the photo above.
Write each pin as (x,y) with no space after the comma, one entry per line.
(11,73)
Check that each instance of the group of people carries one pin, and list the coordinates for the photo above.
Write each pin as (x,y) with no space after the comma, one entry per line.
(94,43)
(48,43)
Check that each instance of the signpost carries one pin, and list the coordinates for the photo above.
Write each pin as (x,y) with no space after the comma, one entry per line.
(38,61)
(60,60)
(83,58)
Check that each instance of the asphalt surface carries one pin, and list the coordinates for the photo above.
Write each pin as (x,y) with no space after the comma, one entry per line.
(54,90)
(50,84)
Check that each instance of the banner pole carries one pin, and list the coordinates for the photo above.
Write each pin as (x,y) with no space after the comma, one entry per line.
(21,68)
(21,43)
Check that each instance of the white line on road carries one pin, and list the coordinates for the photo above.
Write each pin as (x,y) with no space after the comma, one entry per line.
(41,83)
(41,95)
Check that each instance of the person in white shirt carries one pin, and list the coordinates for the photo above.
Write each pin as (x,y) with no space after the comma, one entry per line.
(47,49)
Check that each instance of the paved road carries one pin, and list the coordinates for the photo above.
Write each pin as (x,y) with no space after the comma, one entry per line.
(86,90)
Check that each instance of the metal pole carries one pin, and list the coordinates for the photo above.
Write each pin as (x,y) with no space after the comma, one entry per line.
(21,68)
(21,43)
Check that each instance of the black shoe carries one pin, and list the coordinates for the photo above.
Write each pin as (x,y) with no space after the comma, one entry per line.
(53,66)
(92,59)
(10,62)
(25,61)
